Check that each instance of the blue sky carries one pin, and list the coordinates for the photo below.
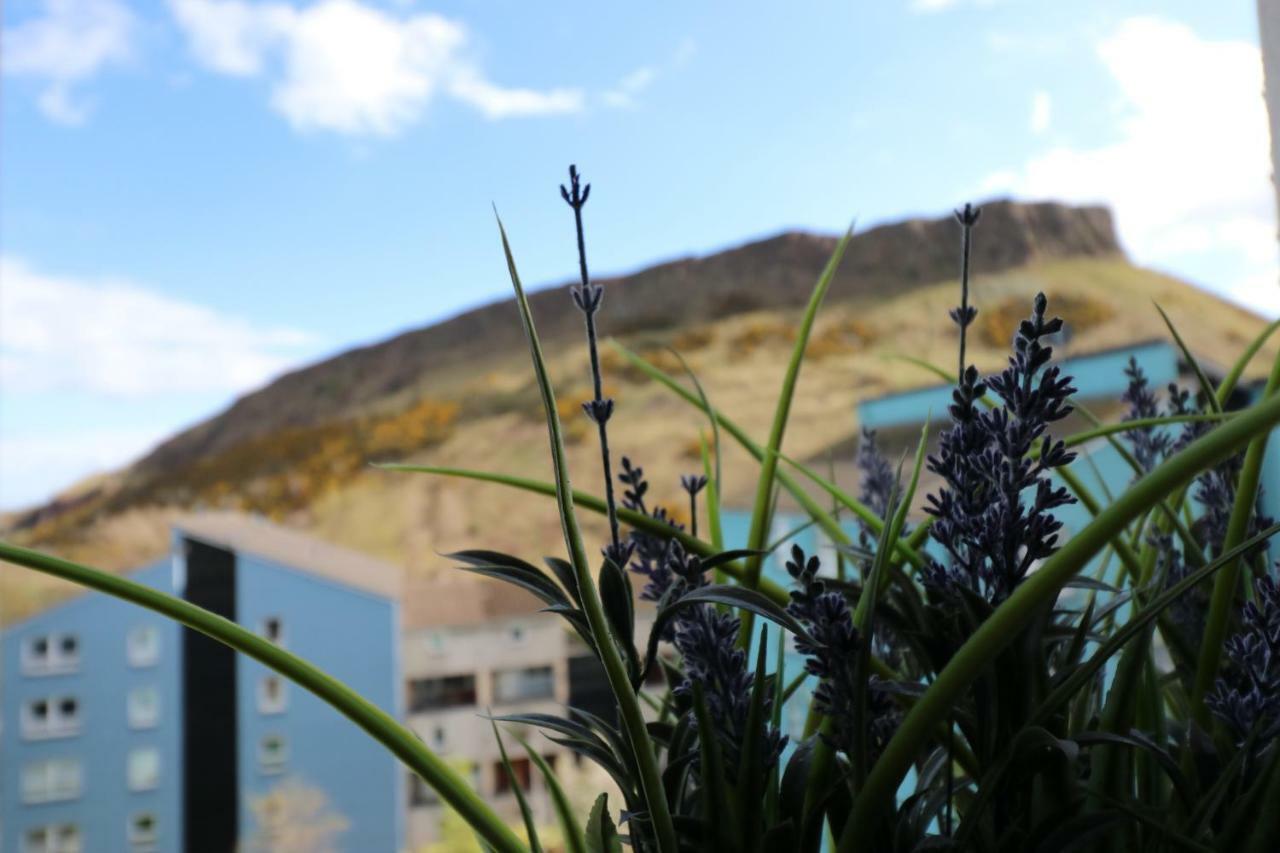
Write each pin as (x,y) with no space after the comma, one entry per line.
(196,195)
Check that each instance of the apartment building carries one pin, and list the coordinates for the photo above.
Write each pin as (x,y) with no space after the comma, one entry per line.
(124,732)
(475,648)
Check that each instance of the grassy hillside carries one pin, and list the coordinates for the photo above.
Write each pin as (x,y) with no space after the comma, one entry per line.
(310,471)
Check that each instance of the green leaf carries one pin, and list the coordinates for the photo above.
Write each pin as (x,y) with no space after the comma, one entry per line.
(829,525)
(1086,436)
(1083,674)
(705,402)
(637,520)
(512,570)
(574,839)
(619,605)
(751,772)
(718,809)
(526,814)
(1206,387)
(1228,383)
(737,597)
(1038,590)
(615,668)
(602,835)
(1226,584)
(759,530)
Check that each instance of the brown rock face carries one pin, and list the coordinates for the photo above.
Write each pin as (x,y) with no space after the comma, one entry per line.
(777,272)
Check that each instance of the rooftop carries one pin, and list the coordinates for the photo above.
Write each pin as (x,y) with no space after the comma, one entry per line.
(254,535)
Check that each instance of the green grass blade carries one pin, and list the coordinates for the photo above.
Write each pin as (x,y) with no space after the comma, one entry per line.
(630,713)
(712,499)
(574,839)
(526,813)
(1076,439)
(760,514)
(1228,581)
(398,739)
(597,505)
(829,525)
(1229,382)
(1206,387)
(722,825)
(1040,588)
(705,402)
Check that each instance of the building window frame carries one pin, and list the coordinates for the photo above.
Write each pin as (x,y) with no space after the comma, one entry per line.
(55,653)
(143,646)
(54,838)
(273,754)
(143,768)
(138,715)
(524,684)
(54,722)
(62,780)
(142,832)
(273,695)
(272,628)
(442,692)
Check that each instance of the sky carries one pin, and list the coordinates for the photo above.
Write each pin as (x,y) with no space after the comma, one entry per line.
(198,195)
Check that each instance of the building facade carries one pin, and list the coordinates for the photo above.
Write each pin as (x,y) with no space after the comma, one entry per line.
(472,650)
(123,731)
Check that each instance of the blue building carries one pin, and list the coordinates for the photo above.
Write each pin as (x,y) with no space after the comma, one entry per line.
(123,731)
(898,418)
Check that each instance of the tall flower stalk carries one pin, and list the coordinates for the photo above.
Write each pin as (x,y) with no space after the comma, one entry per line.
(587,296)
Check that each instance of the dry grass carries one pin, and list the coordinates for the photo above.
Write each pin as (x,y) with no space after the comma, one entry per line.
(740,360)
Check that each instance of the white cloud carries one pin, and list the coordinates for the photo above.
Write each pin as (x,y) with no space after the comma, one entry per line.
(1189,172)
(1041,112)
(33,466)
(344,66)
(67,44)
(926,7)
(932,5)
(624,94)
(112,337)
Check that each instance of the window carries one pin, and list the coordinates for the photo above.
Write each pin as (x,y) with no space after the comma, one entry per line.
(143,707)
(272,698)
(420,793)
(50,654)
(56,838)
(516,685)
(273,752)
(144,645)
(51,717)
(142,831)
(144,769)
(521,770)
(51,781)
(273,629)
(451,691)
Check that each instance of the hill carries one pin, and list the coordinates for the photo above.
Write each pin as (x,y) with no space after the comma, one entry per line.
(460,393)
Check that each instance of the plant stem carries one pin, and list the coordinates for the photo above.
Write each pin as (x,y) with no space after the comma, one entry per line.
(632,718)
(1228,580)
(1037,590)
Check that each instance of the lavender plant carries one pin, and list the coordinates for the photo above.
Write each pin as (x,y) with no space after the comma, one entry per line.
(960,700)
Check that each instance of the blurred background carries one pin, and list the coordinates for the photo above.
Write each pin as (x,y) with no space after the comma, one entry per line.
(242,244)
